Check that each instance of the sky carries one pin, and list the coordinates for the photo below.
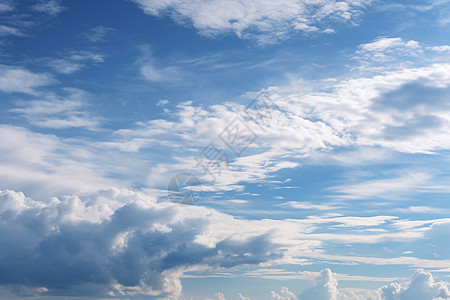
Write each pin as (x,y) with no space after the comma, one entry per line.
(225,149)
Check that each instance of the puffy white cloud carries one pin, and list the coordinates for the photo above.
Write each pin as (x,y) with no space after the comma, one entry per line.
(285,294)
(444,48)
(388,49)
(262,19)
(324,288)
(243,297)
(421,286)
(220,296)
(20,80)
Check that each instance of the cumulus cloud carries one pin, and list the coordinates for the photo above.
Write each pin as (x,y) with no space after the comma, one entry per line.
(421,286)
(324,288)
(20,80)
(264,20)
(115,242)
(285,294)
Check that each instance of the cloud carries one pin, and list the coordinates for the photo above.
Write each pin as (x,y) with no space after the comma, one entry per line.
(443,48)
(6,6)
(154,73)
(44,165)
(391,188)
(6,30)
(20,80)
(59,112)
(220,296)
(324,288)
(266,21)
(384,49)
(50,7)
(421,286)
(284,295)
(74,61)
(117,243)
(98,34)
(162,102)
(383,44)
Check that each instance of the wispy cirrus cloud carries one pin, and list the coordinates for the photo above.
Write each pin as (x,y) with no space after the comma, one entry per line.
(6,6)
(59,112)
(50,7)
(74,61)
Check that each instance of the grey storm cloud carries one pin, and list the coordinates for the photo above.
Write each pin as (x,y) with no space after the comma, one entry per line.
(115,242)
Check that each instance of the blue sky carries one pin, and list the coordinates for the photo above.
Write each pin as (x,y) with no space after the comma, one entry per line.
(319,131)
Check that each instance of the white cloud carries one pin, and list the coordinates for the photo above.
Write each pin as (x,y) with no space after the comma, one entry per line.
(43,165)
(50,7)
(6,30)
(382,44)
(421,286)
(98,34)
(59,112)
(384,48)
(391,188)
(162,102)
(6,6)
(285,294)
(443,48)
(160,74)
(220,296)
(243,297)
(264,20)
(74,61)
(20,80)
(324,288)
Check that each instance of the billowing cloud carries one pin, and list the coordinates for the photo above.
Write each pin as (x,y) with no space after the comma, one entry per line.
(116,243)
(421,286)
(285,294)
(264,20)
(324,288)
